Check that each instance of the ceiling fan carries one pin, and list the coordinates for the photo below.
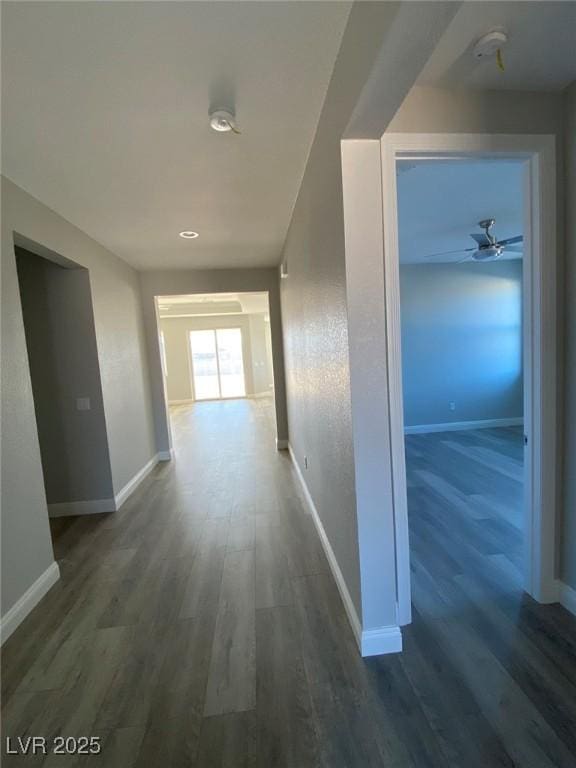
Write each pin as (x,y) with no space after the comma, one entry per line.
(487,248)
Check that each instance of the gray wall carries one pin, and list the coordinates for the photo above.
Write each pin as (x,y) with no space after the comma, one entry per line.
(444,110)
(26,544)
(568,572)
(361,99)
(182,282)
(176,332)
(63,358)
(461,341)
(314,304)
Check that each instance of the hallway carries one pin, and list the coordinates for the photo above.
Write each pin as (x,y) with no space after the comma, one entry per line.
(200,626)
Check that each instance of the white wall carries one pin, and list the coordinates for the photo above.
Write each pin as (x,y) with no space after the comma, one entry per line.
(261,354)
(176,331)
(461,341)
(63,358)
(26,544)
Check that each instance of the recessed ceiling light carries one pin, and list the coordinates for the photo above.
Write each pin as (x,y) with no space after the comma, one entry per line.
(188,234)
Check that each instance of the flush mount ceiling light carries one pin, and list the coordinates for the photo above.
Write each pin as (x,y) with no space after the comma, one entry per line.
(223,121)
(188,234)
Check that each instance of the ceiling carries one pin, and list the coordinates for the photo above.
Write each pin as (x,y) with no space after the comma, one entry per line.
(105,120)
(441,201)
(539,55)
(203,304)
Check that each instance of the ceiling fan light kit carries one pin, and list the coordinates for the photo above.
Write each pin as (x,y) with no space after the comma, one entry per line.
(489,253)
(488,247)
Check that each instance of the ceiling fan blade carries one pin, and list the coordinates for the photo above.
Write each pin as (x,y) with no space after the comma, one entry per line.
(466,258)
(511,240)
(447,253)
(449,258)
(480,239)
(518,248)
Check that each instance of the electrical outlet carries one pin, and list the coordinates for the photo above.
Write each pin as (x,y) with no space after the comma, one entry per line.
(83,404)
(452,405)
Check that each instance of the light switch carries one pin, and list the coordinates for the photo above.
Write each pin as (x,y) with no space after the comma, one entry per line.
(82,403)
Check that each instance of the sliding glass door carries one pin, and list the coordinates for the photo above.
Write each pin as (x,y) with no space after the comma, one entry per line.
(230,363)
(217,364)
(204,365)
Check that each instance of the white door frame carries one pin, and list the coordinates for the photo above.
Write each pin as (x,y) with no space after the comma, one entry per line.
(539,332)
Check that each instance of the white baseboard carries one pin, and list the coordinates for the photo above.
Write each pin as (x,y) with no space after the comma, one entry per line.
(567,597)
(336,572)
(132,484)
(90,507)
(456,426)
(382,640)
(371,642)
(29,600)
(282,445)
(97,506)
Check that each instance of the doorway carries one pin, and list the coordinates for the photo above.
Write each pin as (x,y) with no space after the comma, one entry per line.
(217,363)
(539,352)
(461,247)
(64,366)
(215,348)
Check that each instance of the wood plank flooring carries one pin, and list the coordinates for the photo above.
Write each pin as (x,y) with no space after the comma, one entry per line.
(200,625)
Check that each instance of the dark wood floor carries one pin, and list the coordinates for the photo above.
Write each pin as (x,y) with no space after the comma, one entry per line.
(200,626)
